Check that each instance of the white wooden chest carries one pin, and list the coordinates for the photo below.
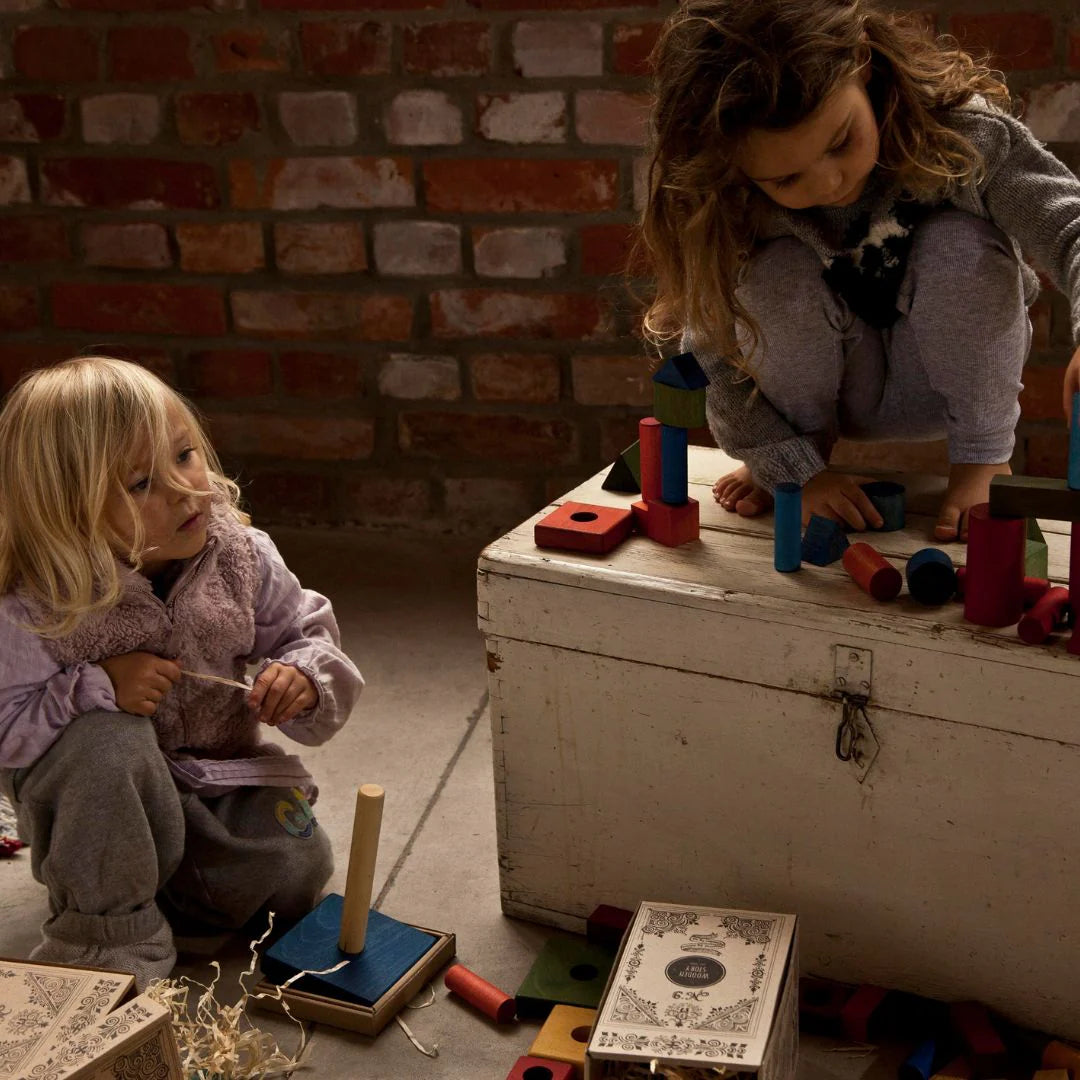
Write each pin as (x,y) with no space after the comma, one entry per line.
(665,723)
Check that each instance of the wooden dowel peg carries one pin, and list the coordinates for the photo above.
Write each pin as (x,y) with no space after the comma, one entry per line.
(361,873)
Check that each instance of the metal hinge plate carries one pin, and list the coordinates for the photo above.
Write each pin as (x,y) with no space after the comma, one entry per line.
(856,742)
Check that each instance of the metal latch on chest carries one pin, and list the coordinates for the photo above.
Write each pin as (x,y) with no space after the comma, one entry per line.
(856,742)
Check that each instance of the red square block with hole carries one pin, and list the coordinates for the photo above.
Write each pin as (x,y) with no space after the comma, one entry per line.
(668,524)
(583,527)
(534,1068)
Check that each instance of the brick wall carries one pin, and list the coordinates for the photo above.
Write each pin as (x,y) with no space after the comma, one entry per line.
(378,241)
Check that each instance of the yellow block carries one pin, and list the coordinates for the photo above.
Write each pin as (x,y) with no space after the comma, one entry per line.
(1051,1074)
(957,1069)
(1057,1055)
(565,1035)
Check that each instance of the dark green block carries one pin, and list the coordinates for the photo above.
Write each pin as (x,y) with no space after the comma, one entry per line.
(1033,496)
(625,474)
(1036,553)
(568,971)
(678,408)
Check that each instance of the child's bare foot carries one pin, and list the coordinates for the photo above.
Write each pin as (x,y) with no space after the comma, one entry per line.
(969,485)
(737,492)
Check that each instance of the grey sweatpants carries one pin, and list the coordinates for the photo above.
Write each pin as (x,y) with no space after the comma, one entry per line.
(949,367)
(110,834)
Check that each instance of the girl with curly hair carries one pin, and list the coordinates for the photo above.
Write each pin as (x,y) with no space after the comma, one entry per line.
(837,207)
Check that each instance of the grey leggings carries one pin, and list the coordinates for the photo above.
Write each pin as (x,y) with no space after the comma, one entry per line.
(950,365)
(110,834)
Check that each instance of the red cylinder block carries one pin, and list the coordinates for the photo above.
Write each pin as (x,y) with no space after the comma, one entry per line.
(994,584)
(1035,588)
(1047,614)
(872,572)
(649,445)
(489,999)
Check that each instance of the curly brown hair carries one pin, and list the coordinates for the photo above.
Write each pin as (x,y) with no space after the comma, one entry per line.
(726,67)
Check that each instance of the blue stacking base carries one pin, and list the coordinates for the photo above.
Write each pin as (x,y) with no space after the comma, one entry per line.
(390,949)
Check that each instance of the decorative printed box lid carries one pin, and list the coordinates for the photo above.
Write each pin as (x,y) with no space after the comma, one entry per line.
(695,985)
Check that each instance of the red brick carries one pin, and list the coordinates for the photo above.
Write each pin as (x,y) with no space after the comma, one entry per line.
(343,316)
(633,43)
(16,358)
(35,239)
(616,434)
(460,313)
(249,48)
(305,438)
(611,380)
(1074,49)
(343,183)
(320,247)
(1046,455)
(227,247)
(1042,393)
(150,6)
(352,5)
(605,248)
(487,506)
(530,377)
(130,183)
(512,185)
(189,310)
(231,373)
(352,48)
(1017,40)
(320,375)
(150,54)
(56,53)
(136,245)
(611,117)
(450,48)
(386,500)
(487,436)
(14,181)
(18,307)
(213,119)
(31,117)
(293,498)
(560,5)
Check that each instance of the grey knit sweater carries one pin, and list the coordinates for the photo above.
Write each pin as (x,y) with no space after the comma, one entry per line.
(1026,191)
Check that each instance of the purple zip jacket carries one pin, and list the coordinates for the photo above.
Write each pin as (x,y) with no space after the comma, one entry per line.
(233,604)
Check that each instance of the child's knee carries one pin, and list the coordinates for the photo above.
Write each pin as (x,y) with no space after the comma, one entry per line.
(952,246)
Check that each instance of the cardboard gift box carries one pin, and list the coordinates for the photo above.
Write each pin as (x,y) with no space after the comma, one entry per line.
(701,987)
(59,1022)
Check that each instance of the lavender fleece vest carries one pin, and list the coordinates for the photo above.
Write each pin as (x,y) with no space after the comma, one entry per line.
(206,624)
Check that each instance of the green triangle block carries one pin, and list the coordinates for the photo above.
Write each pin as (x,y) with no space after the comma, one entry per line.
(1036,553)
(625,473)
(568,971)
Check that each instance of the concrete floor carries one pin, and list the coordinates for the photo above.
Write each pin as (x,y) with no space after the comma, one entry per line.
(407,613)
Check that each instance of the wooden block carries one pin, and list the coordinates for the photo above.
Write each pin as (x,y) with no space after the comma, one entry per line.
(481,994)
(1036,552)
(578,526)
(972,1023)
(678,408)
(391,949)
(1059,1055)
(534,1068)
(858,1010)
(368,1020)
(787,528)
(1034,588)
(567,971)
(889,499)
(674,482)
(1051,1074)
(650,457)
(625,473)
(821,1002)
(994,584)
(668,525)
(564,1035)
(682,372)
(1034,496)
(824,541)
(607,925)
(931,577)
(872,572)
(1046,616)
(1073,472)
(919,1065)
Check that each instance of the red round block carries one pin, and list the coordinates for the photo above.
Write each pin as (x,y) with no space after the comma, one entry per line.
(1049,612)
(872,572)
(485,996)
(994,584)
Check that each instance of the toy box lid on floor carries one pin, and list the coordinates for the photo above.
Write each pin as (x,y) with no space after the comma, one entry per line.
(697,986)
(687,722)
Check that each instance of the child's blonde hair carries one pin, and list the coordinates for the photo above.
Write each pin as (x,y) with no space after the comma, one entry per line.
(726,67)
(68,434)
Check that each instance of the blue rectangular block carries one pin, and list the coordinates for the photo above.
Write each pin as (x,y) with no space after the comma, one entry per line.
(390,949)
(674,480)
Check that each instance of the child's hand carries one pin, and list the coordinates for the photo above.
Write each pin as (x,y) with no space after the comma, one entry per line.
(140,680)
(281,692)
(838,496)
(1071,385)
(969,485)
